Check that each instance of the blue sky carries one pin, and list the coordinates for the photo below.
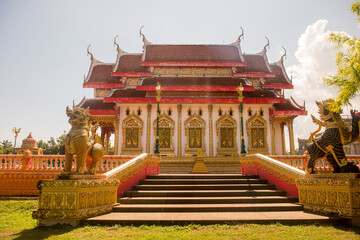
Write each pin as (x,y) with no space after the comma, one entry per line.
(43,45)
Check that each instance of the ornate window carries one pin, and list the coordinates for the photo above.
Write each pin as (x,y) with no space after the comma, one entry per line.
(132,127)
(256,128)
(195,134)
(166,134)
(226,135)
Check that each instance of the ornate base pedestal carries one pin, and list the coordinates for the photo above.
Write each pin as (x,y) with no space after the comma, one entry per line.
(199,166)
(70,201)
(331,193)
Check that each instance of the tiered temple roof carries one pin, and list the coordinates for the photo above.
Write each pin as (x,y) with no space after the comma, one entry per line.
(190,74)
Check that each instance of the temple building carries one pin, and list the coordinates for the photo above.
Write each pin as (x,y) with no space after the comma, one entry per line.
(199,105)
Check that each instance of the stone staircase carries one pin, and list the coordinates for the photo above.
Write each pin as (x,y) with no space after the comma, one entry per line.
(168,199)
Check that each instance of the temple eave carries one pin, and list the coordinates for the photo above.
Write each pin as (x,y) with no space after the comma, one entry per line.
(194,100)
(195,88)
(193,64)
(104,112)
(132,74)
(287,113)
(103,85)
(277,86)
(254,75)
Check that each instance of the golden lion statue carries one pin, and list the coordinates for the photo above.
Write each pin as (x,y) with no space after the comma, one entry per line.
(77,143)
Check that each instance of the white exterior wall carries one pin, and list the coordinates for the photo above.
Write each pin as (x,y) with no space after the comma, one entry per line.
(196,107)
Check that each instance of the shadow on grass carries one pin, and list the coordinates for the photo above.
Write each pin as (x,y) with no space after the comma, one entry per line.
(42,232)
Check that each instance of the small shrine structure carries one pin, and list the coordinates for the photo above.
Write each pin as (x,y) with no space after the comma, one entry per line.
(199,106)
(29,144)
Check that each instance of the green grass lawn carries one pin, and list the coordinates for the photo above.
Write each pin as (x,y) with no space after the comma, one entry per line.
(16,223)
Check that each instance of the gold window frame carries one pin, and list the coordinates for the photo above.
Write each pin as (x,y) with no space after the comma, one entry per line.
(194,121)
(166,122)
(252,123)
(226,121)
(132,121)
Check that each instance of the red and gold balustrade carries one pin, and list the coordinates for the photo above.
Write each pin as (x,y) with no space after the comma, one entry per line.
(19,173)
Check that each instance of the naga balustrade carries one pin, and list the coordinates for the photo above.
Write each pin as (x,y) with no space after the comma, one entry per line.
(274,171)
(300,161)
(131,172)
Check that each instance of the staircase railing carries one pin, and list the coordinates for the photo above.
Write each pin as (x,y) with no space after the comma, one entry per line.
(275,171)
(131,172)
(321,165)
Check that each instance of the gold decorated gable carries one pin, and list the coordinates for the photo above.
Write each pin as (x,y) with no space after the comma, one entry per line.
(102,92)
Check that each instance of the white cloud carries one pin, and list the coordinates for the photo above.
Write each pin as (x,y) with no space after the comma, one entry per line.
(316,57)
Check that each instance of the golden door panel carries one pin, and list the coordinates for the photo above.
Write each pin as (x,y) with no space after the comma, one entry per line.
(132,127)
(226,128)
(195,134)
(227,137)
(195,137)
(132,137)
(256,128)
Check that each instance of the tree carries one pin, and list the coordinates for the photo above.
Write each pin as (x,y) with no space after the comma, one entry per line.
(53,147)
(6,147)
(347,79)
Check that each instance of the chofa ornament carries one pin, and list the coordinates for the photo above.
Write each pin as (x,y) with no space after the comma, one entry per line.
(77,143)
(330,143)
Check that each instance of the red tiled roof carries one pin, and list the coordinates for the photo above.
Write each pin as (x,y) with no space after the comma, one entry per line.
(130,63)
(96,104)
(101,73)
(280,78)
(192,53)
(288,108)
(254,63)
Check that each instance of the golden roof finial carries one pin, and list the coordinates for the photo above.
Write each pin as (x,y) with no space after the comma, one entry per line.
(89,53)
(284,55)
(242,33)
(117,45)
(73,103)
(142,35)
(267,46)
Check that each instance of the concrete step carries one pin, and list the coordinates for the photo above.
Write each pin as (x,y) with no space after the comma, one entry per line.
(202,176)
(200,181)
(203,193)
(237,207)
(206,187)
(181,218)
(206,200)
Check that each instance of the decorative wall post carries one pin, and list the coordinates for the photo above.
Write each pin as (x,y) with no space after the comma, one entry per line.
(158,97)
(291,136)
(211,146)
(149,106)
(116,147)
(282,125)
(179,107)
(272,129)
(241,98)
